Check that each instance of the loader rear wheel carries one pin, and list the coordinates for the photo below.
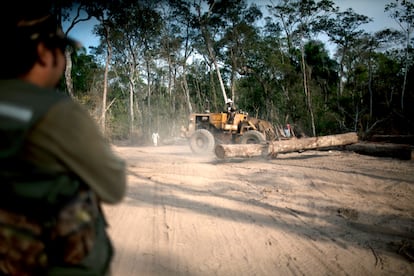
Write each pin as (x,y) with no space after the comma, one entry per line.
(202,141)
(252,137)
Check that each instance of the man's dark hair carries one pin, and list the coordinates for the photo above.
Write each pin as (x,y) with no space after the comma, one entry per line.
(22,31)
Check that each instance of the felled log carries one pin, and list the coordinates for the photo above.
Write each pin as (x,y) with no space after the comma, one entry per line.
(400,151)
(313,143)
(394,139)
(273,148)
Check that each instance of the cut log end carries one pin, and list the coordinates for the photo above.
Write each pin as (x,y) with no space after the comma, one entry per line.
(223,151)
(219,151)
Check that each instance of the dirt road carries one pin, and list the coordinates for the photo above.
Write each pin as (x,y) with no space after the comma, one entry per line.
(310,213)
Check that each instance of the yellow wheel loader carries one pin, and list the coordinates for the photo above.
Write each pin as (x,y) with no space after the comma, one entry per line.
(205,130)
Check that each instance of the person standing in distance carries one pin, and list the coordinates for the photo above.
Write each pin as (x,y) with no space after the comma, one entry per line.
(52,155)
(230,111)
(155,137)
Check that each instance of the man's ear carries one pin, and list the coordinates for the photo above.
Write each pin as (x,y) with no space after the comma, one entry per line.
(43,54)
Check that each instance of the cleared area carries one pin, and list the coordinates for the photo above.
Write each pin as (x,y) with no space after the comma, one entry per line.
(309,213)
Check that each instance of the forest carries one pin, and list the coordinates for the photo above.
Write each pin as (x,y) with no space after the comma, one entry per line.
(159,61)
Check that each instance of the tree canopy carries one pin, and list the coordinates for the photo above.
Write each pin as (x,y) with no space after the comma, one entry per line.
(166,59)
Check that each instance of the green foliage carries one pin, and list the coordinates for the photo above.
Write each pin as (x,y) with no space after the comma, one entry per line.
(161,56)
(84,71)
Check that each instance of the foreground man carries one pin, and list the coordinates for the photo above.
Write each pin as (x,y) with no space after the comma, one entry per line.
(55,166)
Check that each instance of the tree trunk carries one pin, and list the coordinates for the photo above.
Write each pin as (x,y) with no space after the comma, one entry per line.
(405,71)
(105,84)
(306,87)
(131,105)
(213,59)
(68,72)
(273,148)
(149,128)
(186,90)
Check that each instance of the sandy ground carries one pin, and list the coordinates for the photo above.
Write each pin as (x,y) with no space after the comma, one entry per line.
(309,213)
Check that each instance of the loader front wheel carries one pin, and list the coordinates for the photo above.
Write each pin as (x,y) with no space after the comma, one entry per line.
(252,137)
(202,141)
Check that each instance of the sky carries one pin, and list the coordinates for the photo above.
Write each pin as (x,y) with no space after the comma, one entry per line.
(83,32)
(371,8)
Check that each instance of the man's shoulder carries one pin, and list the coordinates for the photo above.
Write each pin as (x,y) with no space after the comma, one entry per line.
(22,96)
(26,93)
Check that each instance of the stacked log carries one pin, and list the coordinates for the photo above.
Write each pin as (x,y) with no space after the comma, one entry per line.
(393,139)
(399,151)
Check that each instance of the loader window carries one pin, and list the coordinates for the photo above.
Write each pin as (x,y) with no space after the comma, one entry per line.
(202,119)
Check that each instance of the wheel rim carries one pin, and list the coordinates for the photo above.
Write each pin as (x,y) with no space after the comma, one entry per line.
(200,142)
(252,141)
